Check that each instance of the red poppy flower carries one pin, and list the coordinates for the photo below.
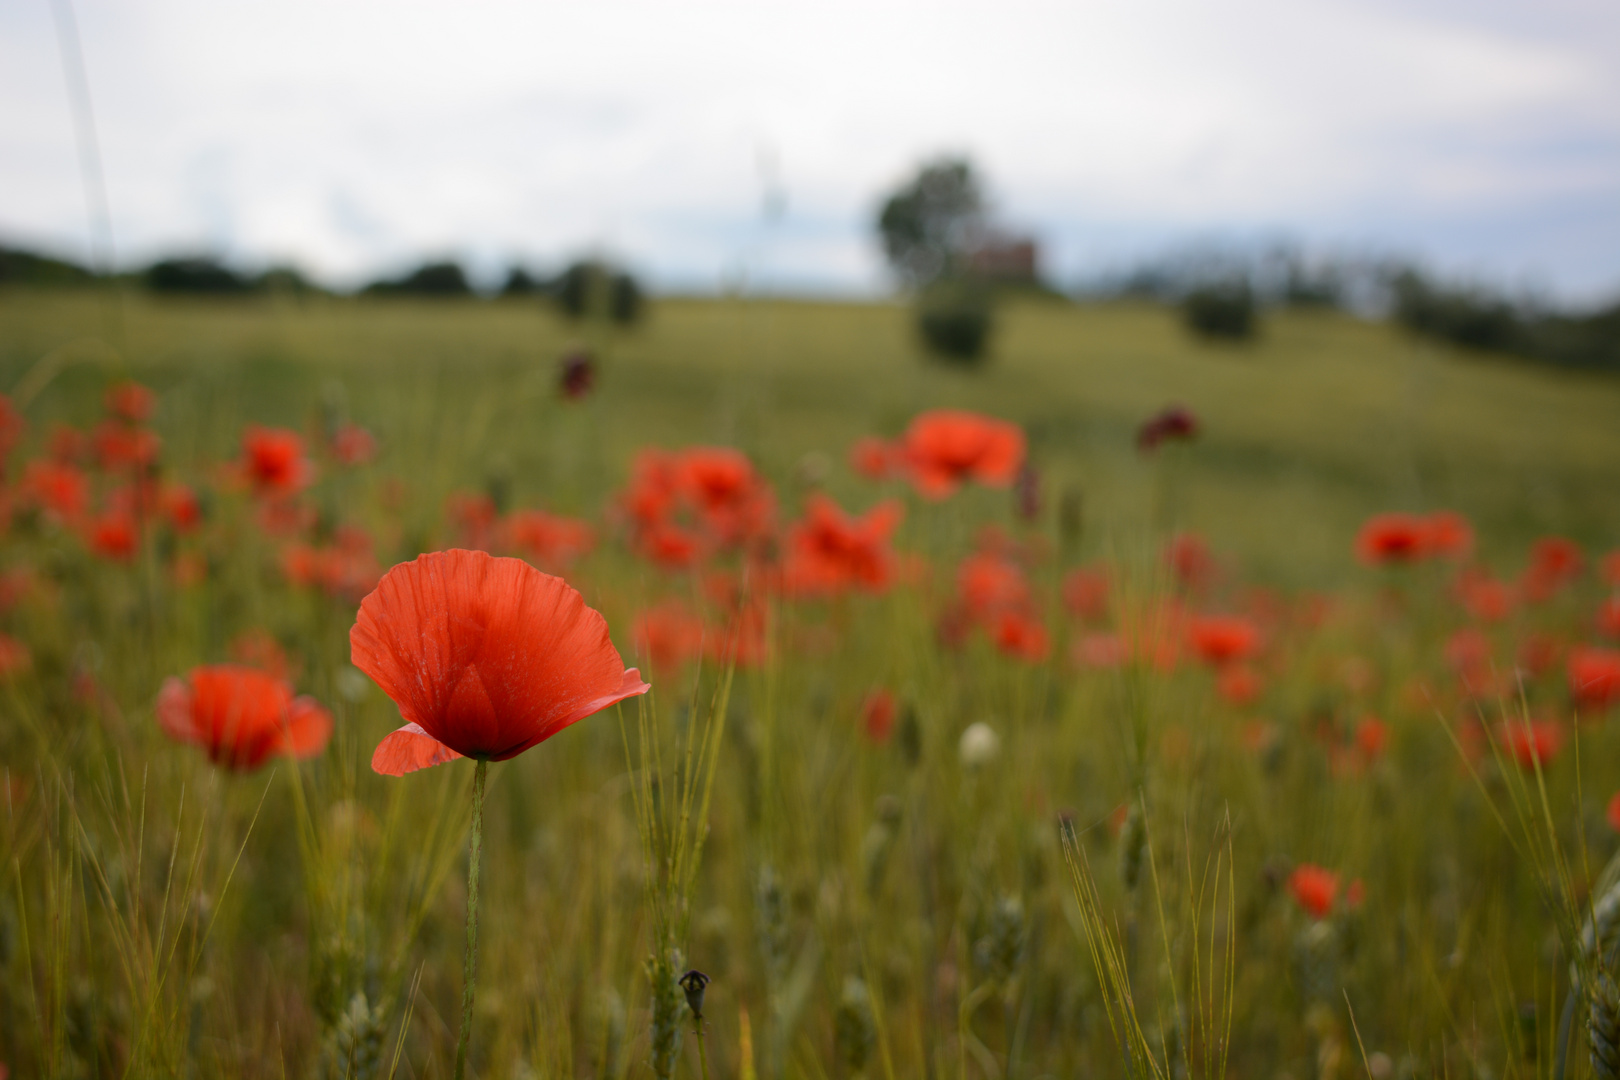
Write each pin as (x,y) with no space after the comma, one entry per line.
(1614,812)
(273,461)
(114,536)
(1223,639)
(1019,634)
(119,446)
(130,401)
(946,447)
(1085,594)
(878,713)
(1538,653)
(353,445)
(241,716)
(181,507)
(668,636)
(1608,617)
(1484,598)
(830,550)
(1314,889)
(1372,735)
(1392,538)
(1176,422)
(14,656)
(58,487)
(1554,563)
(988,583)
(485,657)
(1239,684)
(733,501)
(547,539)
(1448,534)
(1189,559)
(875,458)
(671,546)
(1594,676)
(12,425)
(576,374)
(1533,741)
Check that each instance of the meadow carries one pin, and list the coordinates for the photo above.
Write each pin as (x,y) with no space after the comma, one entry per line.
(1279,750)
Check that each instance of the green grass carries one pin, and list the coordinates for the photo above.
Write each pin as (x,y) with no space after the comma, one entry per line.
(159,915)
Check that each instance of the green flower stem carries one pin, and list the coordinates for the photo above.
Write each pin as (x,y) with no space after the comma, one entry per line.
(469,968)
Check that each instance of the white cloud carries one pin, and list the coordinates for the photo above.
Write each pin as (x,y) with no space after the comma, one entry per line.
(351,135)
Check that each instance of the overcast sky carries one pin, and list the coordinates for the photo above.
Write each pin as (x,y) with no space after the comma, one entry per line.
(354,137)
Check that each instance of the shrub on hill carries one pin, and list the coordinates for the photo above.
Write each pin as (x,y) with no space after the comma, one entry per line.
(429,279)
(18,267)
(1223,310)
(590,288)
(199,274)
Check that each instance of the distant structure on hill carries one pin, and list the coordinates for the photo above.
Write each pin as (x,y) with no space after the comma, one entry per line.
(1006,259)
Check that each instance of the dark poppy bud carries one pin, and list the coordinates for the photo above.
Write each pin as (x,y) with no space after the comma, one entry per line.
(694,982)
(578,374)
(1176,422)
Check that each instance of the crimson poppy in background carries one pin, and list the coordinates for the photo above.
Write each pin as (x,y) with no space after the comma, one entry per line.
(114,535)
(58,487)
(1223,639)
(1021,635)
(12,426)
(1448,535)
(485,657)
(353,445)
(14,656)
(1554,562)
(548,539)
(119,446)
(947,447)
(1239,684)
(576,374)
(830,551)
(130,402)
(732,500)
(1372,736)
(180,505)
(473,515)
(1614,812)
(878,713)
(1594,676)
(1532,742)
(1607,620)
(1085,593)
(273,461)
(875,458)
(1392,539)
(1483,597)
(240,716)
(1314,889)
(667,636)
(1189,559)
(1175,423)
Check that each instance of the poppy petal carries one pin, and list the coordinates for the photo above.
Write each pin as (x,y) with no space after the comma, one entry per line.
(630,687)
(308,728)
(407,750)
(174,711)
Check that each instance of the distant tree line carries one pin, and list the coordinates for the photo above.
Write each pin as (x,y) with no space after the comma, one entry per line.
(1223,295)
(586,287)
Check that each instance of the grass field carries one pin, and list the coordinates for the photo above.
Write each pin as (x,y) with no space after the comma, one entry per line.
(1106,884)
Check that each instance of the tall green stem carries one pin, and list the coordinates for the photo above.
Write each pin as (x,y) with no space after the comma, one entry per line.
(469,967)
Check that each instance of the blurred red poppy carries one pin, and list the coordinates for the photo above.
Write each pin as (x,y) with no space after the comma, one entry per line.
(1223,639)
(353,445)
(273,461)
(1554,562)
(878,714)
(875,458)
(58,487)
(1314,889)
(551,541)
(1613,813)
(181,507)
(1483,597)
(119,446)
(668,636)
(733,501)
(1392,538)
(1175,423)
(1085,594)
(14,656)
(1239,684)
(12,426)
(241,716)
(1530,742)
(1189,559)
(1448,534)
(944,448)
(830,551)
(988,583)
(1372,736)
(130,401)
(115,536)
(1594,676)
(485,657)
(1607,620)
(1019,634)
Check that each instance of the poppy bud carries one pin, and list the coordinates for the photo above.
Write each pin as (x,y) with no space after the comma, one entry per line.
(694,982)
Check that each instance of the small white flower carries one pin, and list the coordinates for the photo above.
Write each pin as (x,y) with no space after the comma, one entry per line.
(980,744)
